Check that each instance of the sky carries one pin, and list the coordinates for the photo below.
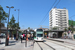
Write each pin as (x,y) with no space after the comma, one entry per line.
(32,12)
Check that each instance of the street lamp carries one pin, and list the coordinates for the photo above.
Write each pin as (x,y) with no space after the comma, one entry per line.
(7,34)
(18,14)
(18,24)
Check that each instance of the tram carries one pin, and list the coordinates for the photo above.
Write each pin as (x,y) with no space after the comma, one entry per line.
(39,35)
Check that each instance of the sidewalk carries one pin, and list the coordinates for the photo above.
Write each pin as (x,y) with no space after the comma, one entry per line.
(2,44)
(17,45)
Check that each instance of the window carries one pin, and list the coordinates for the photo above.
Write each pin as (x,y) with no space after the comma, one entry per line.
(61,25)
(39,30)
(56,14)
(39,35)
(64,15)
(61,28)
(60,18)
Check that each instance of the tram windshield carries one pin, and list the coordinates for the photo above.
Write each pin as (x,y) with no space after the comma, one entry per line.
(39,30)
(39,35)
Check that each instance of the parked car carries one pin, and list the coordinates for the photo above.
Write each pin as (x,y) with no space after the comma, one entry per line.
(2,35)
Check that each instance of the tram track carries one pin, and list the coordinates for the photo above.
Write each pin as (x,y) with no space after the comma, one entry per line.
(44,46)
(61,44)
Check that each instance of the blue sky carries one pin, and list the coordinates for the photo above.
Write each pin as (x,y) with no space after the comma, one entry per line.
(33,11)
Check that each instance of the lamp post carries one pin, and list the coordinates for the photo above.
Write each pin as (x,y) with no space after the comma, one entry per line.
(18,14)
(18,24)
(26,39)
(7,34)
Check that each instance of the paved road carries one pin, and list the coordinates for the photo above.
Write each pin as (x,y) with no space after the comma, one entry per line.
(44,46)
(17,45)
(59,45)
(54,44)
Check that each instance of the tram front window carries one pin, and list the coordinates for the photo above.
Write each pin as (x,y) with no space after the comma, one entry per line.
(39,30)
(39,35)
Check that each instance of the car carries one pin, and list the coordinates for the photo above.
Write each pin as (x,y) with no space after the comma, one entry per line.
(2,35)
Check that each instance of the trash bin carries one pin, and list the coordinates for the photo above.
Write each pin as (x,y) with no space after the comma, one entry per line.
(74,36)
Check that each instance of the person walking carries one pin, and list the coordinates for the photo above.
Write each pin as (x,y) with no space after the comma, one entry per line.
(21,37)
(14,36)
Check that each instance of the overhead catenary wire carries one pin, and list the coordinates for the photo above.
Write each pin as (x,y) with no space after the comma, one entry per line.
(45,17)
(48,11)
(57,3)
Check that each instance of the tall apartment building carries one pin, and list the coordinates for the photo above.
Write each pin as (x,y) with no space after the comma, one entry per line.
(58,18)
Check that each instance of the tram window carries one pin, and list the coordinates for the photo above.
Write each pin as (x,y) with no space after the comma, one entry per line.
(39,35)
(39,30)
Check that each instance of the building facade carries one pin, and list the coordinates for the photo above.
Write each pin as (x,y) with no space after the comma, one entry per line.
(58,18)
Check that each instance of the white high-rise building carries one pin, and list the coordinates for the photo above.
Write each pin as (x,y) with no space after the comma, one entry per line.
(58,18)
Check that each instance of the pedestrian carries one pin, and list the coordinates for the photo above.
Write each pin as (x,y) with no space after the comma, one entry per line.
(28,36)
(14,36)
(21,37)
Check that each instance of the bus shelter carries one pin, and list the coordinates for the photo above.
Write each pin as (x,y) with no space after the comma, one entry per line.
(53,33)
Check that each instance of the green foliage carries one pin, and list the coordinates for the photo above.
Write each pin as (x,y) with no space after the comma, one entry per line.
(69,28)
(28,27)
(3,15)
(14,32)
(17,26)
(54,28)
(20,31)
(65,29)
(49,30)
(12,23)
(65,34)
(71,22)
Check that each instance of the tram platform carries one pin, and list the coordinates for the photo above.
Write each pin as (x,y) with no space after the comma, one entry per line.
(70,41)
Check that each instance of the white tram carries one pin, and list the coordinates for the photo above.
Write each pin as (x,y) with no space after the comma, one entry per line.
(39,35)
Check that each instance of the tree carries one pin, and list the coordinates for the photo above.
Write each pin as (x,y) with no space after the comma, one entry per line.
(17,26)
(55,28)
(65,29)
(3,17)
(71,26)
(12,25)
(28,27)
(17,32)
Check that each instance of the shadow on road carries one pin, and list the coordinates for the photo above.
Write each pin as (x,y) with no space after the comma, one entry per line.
(2,49)
(11,44)
(12,41)
(44,40)
(2,43)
